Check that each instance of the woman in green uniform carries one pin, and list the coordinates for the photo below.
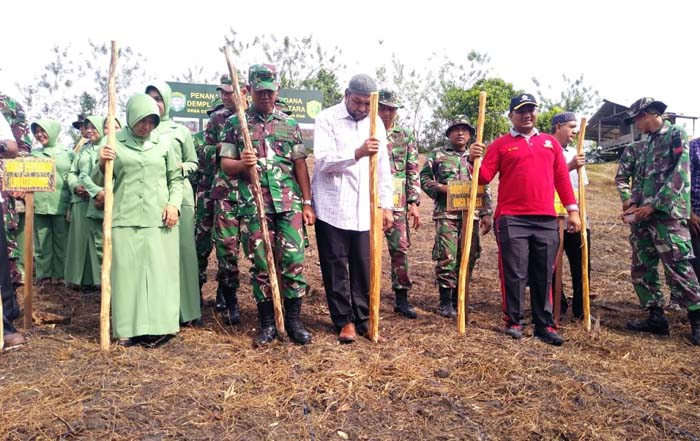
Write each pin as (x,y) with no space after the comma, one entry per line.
(83,259)
(50,208)
(183,147)
(145,255)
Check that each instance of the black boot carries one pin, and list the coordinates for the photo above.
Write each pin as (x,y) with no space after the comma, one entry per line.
(231,314)
(402,306)
(655,324)
(220,303)
(694,319)
(268,330)
(292,321)
(446,308)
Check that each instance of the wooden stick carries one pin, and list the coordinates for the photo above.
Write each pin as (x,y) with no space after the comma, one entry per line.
(468,228)
(584,241)
(558,272)
(81,142)
(375,228)
(257,193)
(28,257)
(106,297)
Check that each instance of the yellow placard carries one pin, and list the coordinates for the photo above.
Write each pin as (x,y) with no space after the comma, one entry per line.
(28,174)
(458,195)
(399,192)
(559,208)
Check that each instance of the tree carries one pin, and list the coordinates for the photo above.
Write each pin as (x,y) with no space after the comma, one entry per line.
(199,74)
(327,82)
(576,96)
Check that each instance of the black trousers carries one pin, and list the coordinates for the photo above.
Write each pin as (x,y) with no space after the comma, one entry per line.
(344,256)
(572,248)
(695,241)
(10,308)
(527,249)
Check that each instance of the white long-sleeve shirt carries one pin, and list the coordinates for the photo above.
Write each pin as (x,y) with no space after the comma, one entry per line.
(340,184)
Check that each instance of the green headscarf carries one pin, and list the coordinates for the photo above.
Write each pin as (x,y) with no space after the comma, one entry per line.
(99,123)
(139,107)
(51,127)
(166,93)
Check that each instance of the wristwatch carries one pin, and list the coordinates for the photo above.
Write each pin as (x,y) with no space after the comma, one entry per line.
(307,202)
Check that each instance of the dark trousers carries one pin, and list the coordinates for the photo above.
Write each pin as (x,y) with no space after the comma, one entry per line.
(527,249)
(572,248)
(10,308)
(695,241)
(344,256)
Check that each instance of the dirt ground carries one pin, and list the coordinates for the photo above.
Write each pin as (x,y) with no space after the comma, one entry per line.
(422,381)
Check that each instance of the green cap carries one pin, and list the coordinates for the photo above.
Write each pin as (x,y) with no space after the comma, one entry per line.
(263,77)
(389,98)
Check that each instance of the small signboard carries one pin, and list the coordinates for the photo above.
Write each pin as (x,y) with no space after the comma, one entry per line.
(458,195)
(28,174)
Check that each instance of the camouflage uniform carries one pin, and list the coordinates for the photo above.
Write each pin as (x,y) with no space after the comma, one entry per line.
(278,143)
(13,209)
(664,184)
(441,166)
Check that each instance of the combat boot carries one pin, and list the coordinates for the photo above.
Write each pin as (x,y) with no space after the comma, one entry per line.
(292,321)
(694,319)
(268,330)
(446,308)
(655,324)
(231,313)
(402,306)
(220,303)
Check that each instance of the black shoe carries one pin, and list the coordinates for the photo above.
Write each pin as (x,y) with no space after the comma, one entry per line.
(220,302)
(656,323)
(231,314)
(154,341)
(549,335)
(268,330)
(694,319)
(292,322)
(514,331)
(402,306)
(127,342)
(196,323)
(446,309)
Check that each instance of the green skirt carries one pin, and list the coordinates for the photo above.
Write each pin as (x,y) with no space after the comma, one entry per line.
(189,269)
(82,260)
(50,237)
(145,282)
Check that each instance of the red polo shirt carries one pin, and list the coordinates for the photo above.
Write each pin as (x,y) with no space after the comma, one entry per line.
(529,171)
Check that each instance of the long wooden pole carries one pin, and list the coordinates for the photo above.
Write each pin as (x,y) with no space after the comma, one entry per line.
(28,257)
(106,298)
(584,227)
(468,228)
(257,193)
(375,228)
(558,272)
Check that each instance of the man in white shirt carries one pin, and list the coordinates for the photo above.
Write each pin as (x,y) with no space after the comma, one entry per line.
(564,129)
(340,188)
(10,308)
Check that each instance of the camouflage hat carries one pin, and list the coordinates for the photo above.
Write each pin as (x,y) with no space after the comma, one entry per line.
(263,77)
(389,98)
(226,84)
(282,106)
(643,105)
(460,120)
(215,105)
(77,124)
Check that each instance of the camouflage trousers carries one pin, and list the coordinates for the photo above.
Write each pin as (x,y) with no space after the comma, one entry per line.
(204,224)
(12,232)
(226,240)
(667,240)
(399,241)
(447,251)
(287,239)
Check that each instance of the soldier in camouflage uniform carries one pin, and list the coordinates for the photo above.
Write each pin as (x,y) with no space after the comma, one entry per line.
(12,208)
(443,165)
(280,158)
(660,207)
(224,203)
(403,160)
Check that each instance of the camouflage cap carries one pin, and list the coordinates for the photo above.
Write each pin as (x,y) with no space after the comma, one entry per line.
(643,105)
(77,124)
(263,77)
(389,98)
(282,106)
(215,105)
(460,120)
(226,84)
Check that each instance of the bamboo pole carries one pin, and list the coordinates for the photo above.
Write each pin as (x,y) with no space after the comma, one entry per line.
(584,241)
(558,272)
(106,297)
(257,193)
(80,144)
(468,228)
(28,257)
(375,228)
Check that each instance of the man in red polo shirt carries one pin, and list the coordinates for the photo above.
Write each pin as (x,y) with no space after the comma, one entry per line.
(531,166)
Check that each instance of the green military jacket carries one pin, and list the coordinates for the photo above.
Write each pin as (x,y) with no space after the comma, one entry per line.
(441,166)
(628,169)
(278,142)
(403,161)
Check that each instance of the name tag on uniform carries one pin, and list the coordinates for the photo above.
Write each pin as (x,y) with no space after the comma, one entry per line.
(458,195)
(548,144)
(559,207)
(399,192)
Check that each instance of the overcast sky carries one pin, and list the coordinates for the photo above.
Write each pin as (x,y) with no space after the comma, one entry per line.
(626,49)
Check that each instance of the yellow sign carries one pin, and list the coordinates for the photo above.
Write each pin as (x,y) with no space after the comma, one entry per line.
(399,192)
(458,195)
(28,174)
(559,208)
